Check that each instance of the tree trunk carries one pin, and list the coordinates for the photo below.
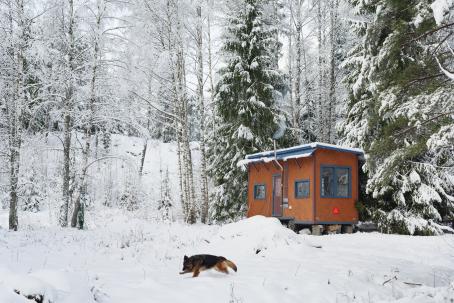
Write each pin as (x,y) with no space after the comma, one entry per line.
(14,176)
(299,70)
(15,112)
(68,104)
(183,110)
(332,71)
(203,164)
(320,120)
(210,70)
(142,158)
(78,214)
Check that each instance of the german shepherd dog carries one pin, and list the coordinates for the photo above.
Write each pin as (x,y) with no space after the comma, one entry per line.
(198,263)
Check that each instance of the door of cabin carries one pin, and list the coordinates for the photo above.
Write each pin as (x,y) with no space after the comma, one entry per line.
(277,195)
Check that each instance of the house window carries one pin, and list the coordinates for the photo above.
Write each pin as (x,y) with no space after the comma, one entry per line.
(335,182)
(327,182)
(342,182)
(259,191)
(302,189)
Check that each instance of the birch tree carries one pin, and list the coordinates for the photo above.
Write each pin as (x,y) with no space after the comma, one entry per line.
(98,14)
(202,113)
(14,97)
(68,106)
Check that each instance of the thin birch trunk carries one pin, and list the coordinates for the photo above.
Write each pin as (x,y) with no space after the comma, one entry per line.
(203,164)
(210,73)
(68,104)
(182,103)
(82,191)
(321,126)
(177,108)
(192,216)
(15,113)
(332,70)
(299,70)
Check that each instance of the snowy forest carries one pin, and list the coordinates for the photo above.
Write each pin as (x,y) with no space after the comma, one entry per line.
(123,125)
(217,79)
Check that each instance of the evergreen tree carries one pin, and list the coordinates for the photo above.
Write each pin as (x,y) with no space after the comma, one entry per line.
(245,102)
(129,199)
(400,111)
(31,193)
(165,203)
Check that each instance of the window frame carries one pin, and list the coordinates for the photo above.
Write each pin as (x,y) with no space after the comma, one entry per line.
(296,191)
(255,186)
(334,182)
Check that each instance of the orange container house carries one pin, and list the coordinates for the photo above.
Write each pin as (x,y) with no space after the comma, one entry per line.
(313,184)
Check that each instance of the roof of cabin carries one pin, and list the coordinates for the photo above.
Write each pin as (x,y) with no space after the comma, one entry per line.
(300,151)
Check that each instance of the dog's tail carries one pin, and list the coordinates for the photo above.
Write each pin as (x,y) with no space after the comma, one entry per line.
(231,265)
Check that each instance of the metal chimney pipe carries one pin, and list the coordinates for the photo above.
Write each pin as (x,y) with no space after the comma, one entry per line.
(275,157)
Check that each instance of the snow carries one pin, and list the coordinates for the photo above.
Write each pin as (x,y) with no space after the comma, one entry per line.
(439,8)
(309,145)
(244,132)
(446,72)
(245,162)
(304,155)
(122,258)
(414,177)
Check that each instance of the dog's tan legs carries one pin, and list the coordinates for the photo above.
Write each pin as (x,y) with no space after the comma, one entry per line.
(196,272)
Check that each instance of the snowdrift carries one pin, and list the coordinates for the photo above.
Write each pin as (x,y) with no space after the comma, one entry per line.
(48,286)
(256,234)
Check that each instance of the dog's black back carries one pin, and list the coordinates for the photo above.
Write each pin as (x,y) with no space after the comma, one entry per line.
(207,261)
(198,263)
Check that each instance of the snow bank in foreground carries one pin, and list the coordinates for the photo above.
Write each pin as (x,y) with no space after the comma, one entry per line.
(123,257)
(50,286)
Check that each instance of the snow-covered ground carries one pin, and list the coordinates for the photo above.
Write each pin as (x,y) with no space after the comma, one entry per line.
(125,259)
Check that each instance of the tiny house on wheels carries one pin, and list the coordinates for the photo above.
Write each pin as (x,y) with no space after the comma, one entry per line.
(311,185)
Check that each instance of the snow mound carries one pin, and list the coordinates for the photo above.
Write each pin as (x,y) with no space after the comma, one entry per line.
(258,233)
(50,286)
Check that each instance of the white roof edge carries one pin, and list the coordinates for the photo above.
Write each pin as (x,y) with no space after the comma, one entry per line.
(269,159)
(311,145)
(305,155)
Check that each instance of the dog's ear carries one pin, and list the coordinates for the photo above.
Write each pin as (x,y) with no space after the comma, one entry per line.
(185,257)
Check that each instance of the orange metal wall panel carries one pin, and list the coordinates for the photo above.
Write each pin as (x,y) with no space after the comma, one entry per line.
(261,173)
(301,208)
(346,206)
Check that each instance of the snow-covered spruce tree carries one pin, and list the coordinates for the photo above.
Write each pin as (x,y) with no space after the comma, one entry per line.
(129,199)
(245,97)
(165,202)
(31,193)
(401,112)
